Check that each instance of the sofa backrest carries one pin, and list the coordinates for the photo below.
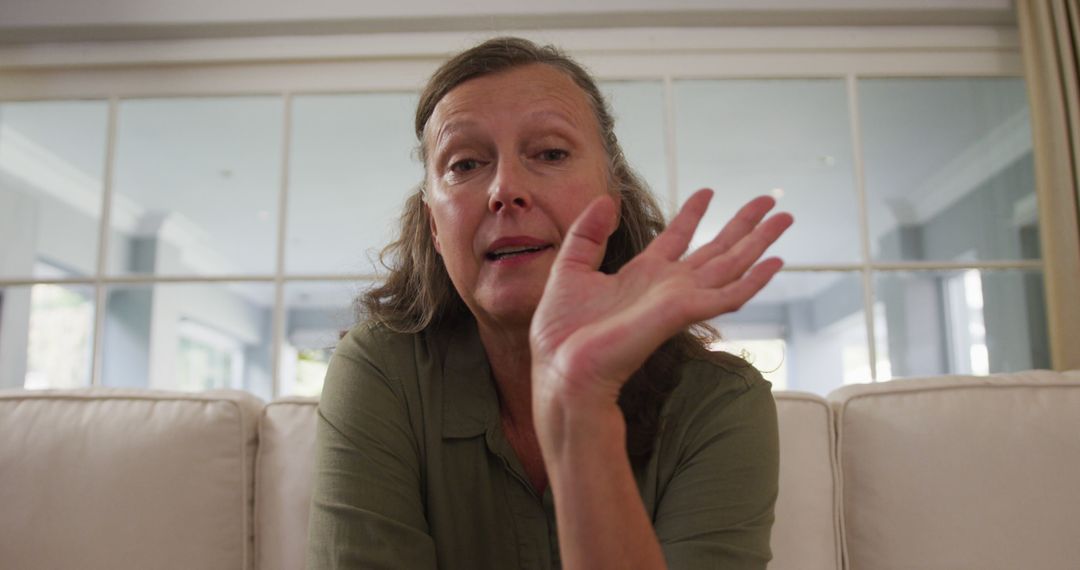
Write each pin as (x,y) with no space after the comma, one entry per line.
(806,535)
(948,472)
(283,482)
(961,472)
(126,479)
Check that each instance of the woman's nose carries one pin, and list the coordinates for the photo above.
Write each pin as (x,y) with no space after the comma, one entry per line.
(510,187)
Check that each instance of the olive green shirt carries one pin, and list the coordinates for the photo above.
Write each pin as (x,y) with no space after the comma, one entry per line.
(413,469)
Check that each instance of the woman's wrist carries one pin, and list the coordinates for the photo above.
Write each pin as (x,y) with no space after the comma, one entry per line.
(569,428)
(602,521)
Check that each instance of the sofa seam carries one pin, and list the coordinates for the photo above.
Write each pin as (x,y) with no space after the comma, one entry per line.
(246,497)
(256,486)
(166,398)
(258,477)
(836,517)
(838,477)
(923,389)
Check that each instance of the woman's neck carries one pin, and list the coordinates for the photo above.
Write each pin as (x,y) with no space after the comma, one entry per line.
(511,365)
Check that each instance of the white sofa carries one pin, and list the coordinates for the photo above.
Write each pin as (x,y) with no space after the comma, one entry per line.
(935,473)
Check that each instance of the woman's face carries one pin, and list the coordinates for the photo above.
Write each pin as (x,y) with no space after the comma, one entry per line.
(513,158)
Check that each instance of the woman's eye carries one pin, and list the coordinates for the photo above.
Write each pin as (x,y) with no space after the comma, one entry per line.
(553,155)
(463,166)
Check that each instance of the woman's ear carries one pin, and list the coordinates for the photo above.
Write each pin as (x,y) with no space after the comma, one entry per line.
(434,229)
(616,197)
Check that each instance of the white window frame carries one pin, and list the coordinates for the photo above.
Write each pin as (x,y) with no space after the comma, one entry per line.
(290,66)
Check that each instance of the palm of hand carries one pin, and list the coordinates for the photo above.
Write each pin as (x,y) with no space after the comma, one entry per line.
(591,330)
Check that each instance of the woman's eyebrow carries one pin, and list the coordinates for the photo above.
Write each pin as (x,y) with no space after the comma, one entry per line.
(454,128)
(450,131)
(463,128)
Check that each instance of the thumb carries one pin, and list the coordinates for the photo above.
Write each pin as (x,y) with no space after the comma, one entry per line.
(586,240)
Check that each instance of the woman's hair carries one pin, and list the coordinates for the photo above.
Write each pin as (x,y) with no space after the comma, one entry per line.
(417,292)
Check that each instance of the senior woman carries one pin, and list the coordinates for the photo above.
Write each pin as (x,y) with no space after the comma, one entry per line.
(529,388)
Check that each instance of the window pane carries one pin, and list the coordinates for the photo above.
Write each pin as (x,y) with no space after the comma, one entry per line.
(351,168)
(949,173)
(804,331)
(179,336)
(788,138)
(46,336)
(317,315)
(638,107)
(961,322)
(51,159)
(196,187)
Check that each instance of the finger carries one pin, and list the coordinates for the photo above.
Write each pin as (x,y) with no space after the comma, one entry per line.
(585,240)
(733,296)
(744,222)
(673,241)
(732,264)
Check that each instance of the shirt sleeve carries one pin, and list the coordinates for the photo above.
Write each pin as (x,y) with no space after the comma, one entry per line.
(367,503)
(717,509)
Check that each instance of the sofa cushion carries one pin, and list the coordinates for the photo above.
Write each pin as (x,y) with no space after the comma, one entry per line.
(283,482)
(961,472)
(806,535)
(126,479)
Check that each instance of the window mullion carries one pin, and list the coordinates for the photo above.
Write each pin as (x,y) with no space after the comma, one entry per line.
(100,290)
(278,333)
(864,220)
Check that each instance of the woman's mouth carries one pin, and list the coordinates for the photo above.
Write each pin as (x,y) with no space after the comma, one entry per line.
(515,251)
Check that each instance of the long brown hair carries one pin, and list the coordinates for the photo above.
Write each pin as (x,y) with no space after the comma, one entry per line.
(417,292)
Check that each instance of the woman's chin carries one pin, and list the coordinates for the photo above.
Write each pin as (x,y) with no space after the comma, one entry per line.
(508,311)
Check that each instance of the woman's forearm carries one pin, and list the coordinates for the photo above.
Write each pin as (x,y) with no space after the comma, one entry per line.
(601,519)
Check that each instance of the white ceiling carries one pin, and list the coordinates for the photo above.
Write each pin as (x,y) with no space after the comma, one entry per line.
(37,20)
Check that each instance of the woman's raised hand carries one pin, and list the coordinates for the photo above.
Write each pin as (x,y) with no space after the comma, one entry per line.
(591,330)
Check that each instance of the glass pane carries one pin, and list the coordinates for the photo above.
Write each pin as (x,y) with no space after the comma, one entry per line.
(191,337)
(317,315)
(351,168)
(638,107)
(196,187)
(949,172)
(52,155)
(961,322)
(788,138)
(46,336)
(804,331)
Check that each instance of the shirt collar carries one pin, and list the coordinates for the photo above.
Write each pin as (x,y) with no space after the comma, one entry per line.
(470,403)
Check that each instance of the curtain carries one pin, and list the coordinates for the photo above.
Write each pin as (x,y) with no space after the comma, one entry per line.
(1050,43)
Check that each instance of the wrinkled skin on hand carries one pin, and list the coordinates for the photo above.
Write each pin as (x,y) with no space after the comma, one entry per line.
(591,330)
